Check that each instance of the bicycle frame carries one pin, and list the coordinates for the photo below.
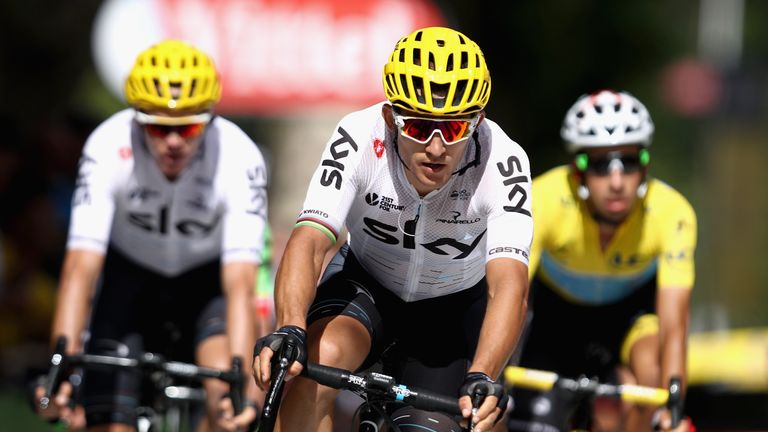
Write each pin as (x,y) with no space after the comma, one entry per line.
(62,364)
(583,387)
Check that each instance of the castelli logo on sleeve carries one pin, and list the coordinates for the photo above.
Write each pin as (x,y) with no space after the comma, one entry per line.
(378,148)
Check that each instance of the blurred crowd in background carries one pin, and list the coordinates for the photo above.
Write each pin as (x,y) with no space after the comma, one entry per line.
(700,66)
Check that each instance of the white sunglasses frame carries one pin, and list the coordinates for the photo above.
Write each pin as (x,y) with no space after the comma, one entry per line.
(144,118)
(400,123)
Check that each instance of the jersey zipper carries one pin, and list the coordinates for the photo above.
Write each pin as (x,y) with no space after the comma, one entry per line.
(416,232)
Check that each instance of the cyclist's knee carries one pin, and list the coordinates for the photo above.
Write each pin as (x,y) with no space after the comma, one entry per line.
(340,342)
(644,361)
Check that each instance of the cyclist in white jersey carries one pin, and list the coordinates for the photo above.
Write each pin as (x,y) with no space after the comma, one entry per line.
(170,210)
(433,280)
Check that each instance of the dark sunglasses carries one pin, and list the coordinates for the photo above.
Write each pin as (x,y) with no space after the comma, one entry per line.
(604,165)
(421,129)
(185,131)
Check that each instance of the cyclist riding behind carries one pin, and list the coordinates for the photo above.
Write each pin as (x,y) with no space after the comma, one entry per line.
(436,200)
(612,257)
(170,211)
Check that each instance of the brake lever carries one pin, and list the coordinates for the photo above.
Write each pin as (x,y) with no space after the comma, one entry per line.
(478,396)
(53,380)
(286,355)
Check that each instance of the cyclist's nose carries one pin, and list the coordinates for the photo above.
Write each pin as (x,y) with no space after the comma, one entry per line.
(436,145)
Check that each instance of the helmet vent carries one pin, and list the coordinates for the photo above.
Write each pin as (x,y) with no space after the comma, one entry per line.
(461,88)
(418,87)
(417,57)
(402,56)
(464,60)
(192,88)
(449,63)
(431,61)
(404,86)
(418,36)
(599,109)
(461,40)
(474,87)
(580,114)
(157,88)
(439,94)
(477,60)
(617,107)
(440,43)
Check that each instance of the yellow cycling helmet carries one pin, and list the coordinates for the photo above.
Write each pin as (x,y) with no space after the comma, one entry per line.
(438,71)
(169,64)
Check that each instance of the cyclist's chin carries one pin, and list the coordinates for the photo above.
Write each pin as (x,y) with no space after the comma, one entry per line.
(615,216)
(172,167)
(432,179)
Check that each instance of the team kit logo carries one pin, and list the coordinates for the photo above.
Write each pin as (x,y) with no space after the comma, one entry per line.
(383,202)
(456,219)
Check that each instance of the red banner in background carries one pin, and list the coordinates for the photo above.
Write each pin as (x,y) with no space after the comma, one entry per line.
(274,56)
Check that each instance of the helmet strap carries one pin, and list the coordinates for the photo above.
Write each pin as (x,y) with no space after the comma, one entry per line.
(476,161)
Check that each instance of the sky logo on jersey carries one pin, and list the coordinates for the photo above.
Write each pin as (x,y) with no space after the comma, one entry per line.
(378,148)
(443,246)
(517,195)
(339,150)
(257,183)
(82,194)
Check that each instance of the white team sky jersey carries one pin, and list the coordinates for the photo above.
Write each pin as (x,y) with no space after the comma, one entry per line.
(422,247)
(217,207)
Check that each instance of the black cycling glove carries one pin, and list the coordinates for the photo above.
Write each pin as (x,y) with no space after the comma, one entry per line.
(275,340)
(478,383)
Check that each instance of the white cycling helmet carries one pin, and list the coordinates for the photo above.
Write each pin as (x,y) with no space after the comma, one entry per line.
(605,119)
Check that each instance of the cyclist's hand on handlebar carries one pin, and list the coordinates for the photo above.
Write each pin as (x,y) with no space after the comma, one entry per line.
(59,405)
(267,347)
(664,423)
(480,389)
(235,423)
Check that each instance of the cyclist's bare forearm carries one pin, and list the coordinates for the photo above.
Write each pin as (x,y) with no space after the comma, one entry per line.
(79,273)
(507,302)
(297,275)
(673,308)
(239,279)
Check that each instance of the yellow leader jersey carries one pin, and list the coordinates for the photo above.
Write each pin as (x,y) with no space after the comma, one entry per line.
(657,240)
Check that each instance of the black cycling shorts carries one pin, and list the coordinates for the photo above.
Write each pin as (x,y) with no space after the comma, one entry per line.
(427,343)
(140,310)
(573,339)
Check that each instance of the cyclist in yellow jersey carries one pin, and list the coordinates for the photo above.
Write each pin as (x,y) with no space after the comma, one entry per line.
(612,257)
